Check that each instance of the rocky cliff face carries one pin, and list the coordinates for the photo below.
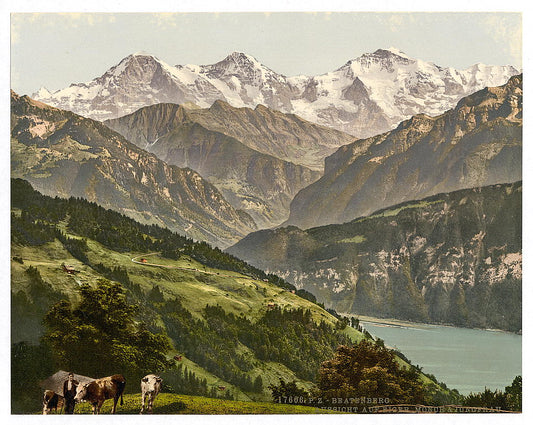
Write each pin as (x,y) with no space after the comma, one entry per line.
(284,136)
(477,143)
(452,258)
(245,153)
(63,154)
(366,96)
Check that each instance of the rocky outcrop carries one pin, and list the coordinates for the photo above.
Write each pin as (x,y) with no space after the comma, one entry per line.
(63,154)
(477,143)
(453,258)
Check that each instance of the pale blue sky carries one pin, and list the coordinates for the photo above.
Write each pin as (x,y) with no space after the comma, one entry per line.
(54,50)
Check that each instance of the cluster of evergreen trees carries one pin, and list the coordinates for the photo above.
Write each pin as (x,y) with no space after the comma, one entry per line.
(26,230)
(184,381)
(29,307)
(223,343)
(120,274)
(29,228)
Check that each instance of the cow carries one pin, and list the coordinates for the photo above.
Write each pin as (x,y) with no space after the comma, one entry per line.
(100,390)
(51,400)
(150,387)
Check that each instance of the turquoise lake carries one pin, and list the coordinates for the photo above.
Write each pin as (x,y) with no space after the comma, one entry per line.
(465,359)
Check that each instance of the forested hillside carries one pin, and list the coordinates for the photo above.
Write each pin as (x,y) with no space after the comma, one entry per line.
(453,258)
(234,330)
(233,325)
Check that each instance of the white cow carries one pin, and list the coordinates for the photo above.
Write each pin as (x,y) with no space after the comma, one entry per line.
(150,387)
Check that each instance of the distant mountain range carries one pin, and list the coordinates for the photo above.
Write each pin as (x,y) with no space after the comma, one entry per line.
(253,156)
(453,258)
(63,154)
(366,96)
(478,143)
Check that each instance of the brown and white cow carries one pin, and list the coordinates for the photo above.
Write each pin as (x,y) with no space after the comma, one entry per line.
(100,390)
(150,387)
(51,401)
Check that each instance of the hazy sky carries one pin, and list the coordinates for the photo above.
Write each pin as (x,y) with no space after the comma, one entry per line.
(54,50)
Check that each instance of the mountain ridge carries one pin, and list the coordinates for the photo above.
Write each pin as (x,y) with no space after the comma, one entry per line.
(285,136)
(477,143)
(64,154)
(366,96)
(453,258)
(258,158)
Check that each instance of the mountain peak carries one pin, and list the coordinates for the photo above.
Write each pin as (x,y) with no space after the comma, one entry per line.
(43,92)
(243,66)
(138,55)
(240,56)
(239,61)
(141,53)
(220,104)
(27,101)
(392,53)
(135,60)
(386,59)
(392,50)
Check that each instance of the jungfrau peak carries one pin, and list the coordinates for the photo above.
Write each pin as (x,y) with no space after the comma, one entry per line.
(366,96)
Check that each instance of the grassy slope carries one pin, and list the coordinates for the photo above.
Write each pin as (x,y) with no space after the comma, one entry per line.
(195,284)
(166,403)
(232,291)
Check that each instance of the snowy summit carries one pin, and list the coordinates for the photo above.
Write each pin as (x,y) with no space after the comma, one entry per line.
(366,96)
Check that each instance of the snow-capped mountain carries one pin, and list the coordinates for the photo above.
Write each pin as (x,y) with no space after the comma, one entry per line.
(366,96)
(381,89)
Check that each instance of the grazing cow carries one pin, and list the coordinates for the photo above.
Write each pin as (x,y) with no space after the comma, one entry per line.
(150,387)
(100,390)
(51,400)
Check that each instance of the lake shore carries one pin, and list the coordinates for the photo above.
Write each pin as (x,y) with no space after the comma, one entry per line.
(377,321)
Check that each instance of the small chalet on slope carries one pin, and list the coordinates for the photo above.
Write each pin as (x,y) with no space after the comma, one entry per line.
(69,269)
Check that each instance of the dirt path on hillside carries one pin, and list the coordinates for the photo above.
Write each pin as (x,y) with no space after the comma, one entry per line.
(136,261)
